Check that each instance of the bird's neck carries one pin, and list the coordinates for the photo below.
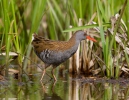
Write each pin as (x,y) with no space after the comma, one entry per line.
(73,41)
(74,44)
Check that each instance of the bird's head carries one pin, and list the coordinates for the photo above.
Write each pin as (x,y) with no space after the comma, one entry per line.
(81,35)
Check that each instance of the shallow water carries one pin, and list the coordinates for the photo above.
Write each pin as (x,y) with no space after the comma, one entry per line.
(66,88)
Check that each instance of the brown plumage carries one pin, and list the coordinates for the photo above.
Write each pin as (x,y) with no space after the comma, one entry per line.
(40,43)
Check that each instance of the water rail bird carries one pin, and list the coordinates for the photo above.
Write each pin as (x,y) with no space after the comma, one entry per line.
(56,52)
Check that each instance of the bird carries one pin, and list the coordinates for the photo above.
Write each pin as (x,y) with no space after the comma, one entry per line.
(53,52)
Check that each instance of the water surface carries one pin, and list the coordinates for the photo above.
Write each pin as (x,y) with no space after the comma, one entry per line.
(66,88)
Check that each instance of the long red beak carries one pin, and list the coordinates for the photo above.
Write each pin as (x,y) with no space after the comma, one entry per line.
(90,38)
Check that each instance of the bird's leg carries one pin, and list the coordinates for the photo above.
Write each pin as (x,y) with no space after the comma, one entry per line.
(53,85)
(44,71)
(43,87)
(53,74)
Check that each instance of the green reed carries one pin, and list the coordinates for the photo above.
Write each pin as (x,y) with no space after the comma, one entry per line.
(37,14)
(107,45)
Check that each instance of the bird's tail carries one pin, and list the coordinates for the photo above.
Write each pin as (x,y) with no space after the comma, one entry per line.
(34,36)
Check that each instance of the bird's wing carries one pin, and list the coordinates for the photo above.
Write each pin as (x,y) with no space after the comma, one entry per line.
(40,44)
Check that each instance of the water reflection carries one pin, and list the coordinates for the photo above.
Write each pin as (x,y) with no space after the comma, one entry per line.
(53,96)
(66,88)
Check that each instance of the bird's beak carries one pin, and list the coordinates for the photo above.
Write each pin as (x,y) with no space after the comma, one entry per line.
(90,38)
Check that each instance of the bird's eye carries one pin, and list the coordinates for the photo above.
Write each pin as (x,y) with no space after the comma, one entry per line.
(85,34)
